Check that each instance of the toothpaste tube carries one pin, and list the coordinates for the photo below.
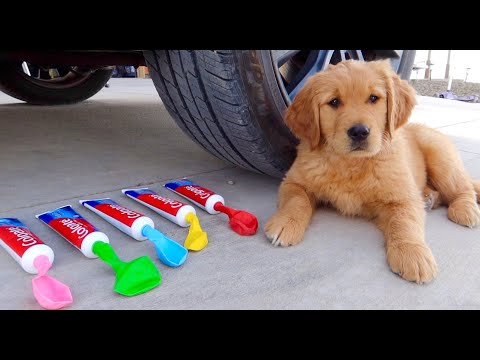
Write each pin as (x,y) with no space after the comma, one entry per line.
(200,196)
(74,228)
(23,245)
(173,210)
(129,221)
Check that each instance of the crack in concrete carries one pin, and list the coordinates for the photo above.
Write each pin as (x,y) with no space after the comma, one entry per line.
(117,189)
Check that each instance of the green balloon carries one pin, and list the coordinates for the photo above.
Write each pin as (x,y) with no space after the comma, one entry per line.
(132,278)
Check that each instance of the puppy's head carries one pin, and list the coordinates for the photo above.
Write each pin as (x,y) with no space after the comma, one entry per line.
(352,107)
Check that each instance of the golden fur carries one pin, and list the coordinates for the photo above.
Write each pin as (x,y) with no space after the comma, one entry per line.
(385,178)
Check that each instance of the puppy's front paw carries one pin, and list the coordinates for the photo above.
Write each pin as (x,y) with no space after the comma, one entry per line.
(413,262)
(284,230)
(464,212)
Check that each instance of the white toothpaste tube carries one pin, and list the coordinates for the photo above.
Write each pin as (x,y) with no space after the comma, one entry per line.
(23,245)
(74,228)
(129,221)
(173,210)
(200,196)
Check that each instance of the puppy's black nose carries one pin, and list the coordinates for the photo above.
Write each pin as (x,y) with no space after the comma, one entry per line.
(358,132)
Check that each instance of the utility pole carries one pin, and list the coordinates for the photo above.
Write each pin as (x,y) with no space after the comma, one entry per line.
(447,68)
(428,71)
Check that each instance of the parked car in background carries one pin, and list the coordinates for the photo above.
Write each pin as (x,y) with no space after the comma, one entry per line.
(230,102)
(124,71)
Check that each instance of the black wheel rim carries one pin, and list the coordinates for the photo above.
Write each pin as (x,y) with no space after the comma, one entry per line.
(63,77)
(294,67)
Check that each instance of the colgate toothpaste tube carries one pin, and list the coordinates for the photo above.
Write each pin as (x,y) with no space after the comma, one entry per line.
(129,221)
(200,196)
(172,210)
(74,228)
(23,245)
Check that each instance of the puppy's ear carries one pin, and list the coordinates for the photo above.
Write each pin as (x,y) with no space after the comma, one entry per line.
(400,99)
(303,116)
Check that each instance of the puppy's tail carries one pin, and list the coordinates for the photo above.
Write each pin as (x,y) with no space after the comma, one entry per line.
(476,186)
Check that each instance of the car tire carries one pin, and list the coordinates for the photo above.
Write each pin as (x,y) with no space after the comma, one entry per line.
(16,83)
(231,103)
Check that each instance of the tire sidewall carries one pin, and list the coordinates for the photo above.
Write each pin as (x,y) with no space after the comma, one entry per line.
(267,105)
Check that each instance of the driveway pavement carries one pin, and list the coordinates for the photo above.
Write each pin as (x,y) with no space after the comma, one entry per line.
(124,137)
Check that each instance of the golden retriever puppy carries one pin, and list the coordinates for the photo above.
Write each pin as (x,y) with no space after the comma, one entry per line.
(357,154)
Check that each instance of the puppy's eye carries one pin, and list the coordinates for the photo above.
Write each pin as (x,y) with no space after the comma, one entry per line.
(373,99)
(334,103)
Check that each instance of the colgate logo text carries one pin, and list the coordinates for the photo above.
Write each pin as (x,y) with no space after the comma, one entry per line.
(173,204)
(76,227)
(201,193)
(130,213)
(23,235)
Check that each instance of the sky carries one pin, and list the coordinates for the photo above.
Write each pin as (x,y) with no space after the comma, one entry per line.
(459,61)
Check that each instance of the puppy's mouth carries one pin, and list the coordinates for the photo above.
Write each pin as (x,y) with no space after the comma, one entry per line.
(358,146)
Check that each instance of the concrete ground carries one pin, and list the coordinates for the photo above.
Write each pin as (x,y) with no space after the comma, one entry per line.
(123,137)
